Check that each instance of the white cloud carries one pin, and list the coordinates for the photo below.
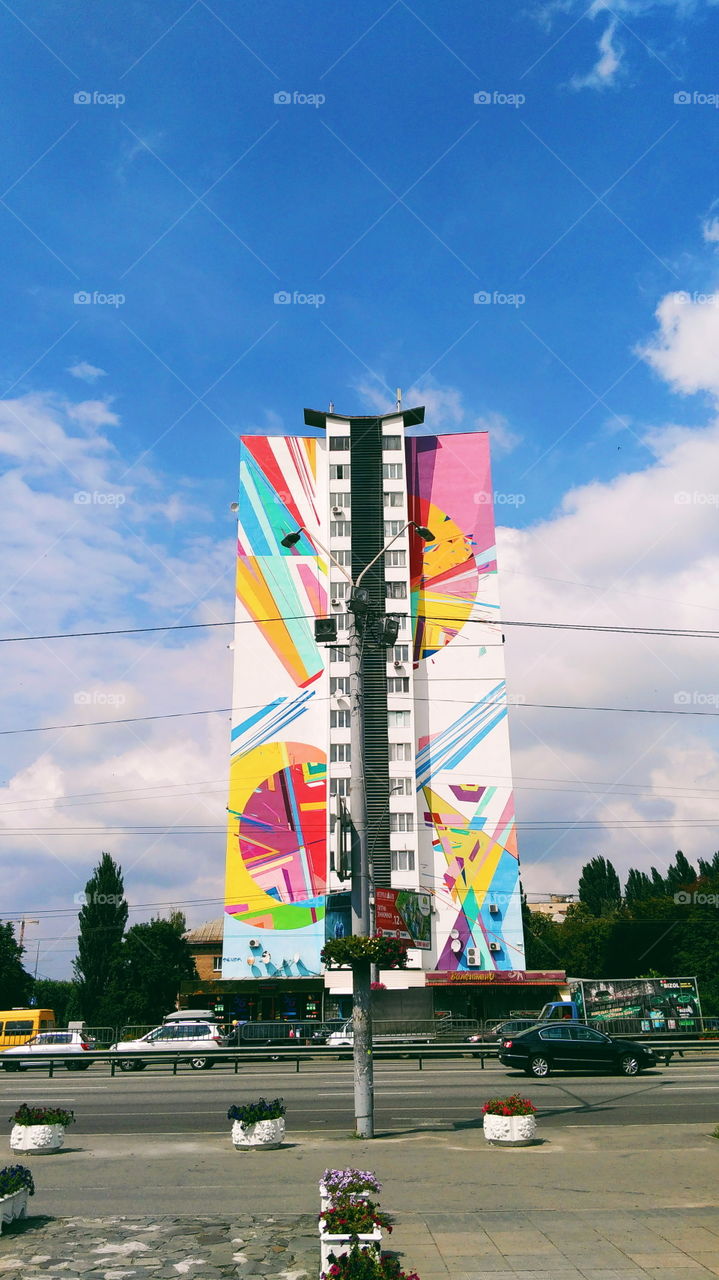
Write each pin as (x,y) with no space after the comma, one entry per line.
(639,550)
(502,438)
(604,73)
(445,410)
(710,230)
(685,351)
(86,372)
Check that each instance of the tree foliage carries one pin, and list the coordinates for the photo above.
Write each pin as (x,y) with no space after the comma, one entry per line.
(15,982)
(154,959)
(600,890)
(102,921)
(55,994)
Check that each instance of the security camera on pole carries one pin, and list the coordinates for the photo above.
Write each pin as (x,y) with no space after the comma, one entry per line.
(384,630)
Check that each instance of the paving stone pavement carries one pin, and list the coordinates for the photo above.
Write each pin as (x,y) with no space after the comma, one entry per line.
(117,1248)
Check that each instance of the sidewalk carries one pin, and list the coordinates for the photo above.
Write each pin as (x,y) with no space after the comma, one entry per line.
(616,1203)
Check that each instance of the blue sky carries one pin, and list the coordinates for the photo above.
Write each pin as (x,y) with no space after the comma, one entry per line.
(582,190)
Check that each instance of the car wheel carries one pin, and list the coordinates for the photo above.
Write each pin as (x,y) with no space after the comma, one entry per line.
(539,1066)
(200,1064)
(629,1064)
(126,1064)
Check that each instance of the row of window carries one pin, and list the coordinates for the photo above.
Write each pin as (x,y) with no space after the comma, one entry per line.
(342,620)
(390,471)
(341,444)
(402,859)
(399,786)
(343,528)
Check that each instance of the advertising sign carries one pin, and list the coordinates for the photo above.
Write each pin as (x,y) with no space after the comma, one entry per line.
(497,977)
(404,914)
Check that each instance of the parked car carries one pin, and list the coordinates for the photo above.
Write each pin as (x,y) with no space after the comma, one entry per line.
(502,1029)
(200,1039)
(57,1044)
(255,1035)
(571,1046)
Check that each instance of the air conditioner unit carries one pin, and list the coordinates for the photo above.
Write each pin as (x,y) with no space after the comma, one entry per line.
(254,943)
(337,602)
(398,666)
(474,957)
(494,946)
(493,909)
(338,511)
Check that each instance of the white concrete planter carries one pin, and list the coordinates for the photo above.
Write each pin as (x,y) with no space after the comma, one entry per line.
(340,1245)
(37,1139)
(510,1131)
(327,1200)
(263,1135)
(13,1206)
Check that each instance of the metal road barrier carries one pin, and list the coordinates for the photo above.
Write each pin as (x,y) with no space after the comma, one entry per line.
(235,1058)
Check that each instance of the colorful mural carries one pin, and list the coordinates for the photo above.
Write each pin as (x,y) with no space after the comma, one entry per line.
(468,850)
(276,846)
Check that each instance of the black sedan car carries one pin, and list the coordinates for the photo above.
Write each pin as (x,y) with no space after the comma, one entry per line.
(571,1046)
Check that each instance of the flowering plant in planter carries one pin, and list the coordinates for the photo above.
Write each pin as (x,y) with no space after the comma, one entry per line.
(386,953)
(354,1218)
(253,1112)
(514,1105)
(42,1115)
(16,1177)
(339,1183)
(363,1264)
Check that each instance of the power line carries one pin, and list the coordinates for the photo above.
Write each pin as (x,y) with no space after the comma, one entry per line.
(682,633)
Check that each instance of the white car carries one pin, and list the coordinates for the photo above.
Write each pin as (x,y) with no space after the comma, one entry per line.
(56,1044)
(199,1039)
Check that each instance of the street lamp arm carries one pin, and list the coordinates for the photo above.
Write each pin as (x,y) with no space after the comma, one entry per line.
(291,538)
(411,524)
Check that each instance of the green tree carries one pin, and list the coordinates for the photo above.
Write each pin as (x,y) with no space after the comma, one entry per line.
(638,888)
(49,993)
(599,888)
(155,960)
(709,870)
(15,982)
(102,924)
(680,873)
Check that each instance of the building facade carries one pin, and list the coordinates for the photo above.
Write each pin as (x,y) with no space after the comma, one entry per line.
(437,761)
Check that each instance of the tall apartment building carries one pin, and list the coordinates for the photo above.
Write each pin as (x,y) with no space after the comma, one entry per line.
(437,761)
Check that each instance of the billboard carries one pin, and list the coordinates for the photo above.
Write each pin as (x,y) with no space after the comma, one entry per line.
(404,914)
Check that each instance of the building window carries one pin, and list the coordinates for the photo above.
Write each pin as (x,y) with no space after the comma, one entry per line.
(401,822)
(339,786)
(394,498)
(391,442)
(340,753)
(217,964)
(342,620)
(395,719)
(393,527)
(340,498)
(401,786)
(339,719)
(402,859)
(339,471)
(392,471)
(339,653)
(339,590)
(400,750)
(344,558)
(398,684)
(339,444)
(400,653)
(340,528)
(395,559)
(396,590)
(341,684)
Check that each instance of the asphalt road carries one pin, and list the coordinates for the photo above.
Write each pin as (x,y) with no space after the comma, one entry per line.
(444,1095)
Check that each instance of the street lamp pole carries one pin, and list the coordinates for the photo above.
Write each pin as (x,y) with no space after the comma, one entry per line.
(359,611)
